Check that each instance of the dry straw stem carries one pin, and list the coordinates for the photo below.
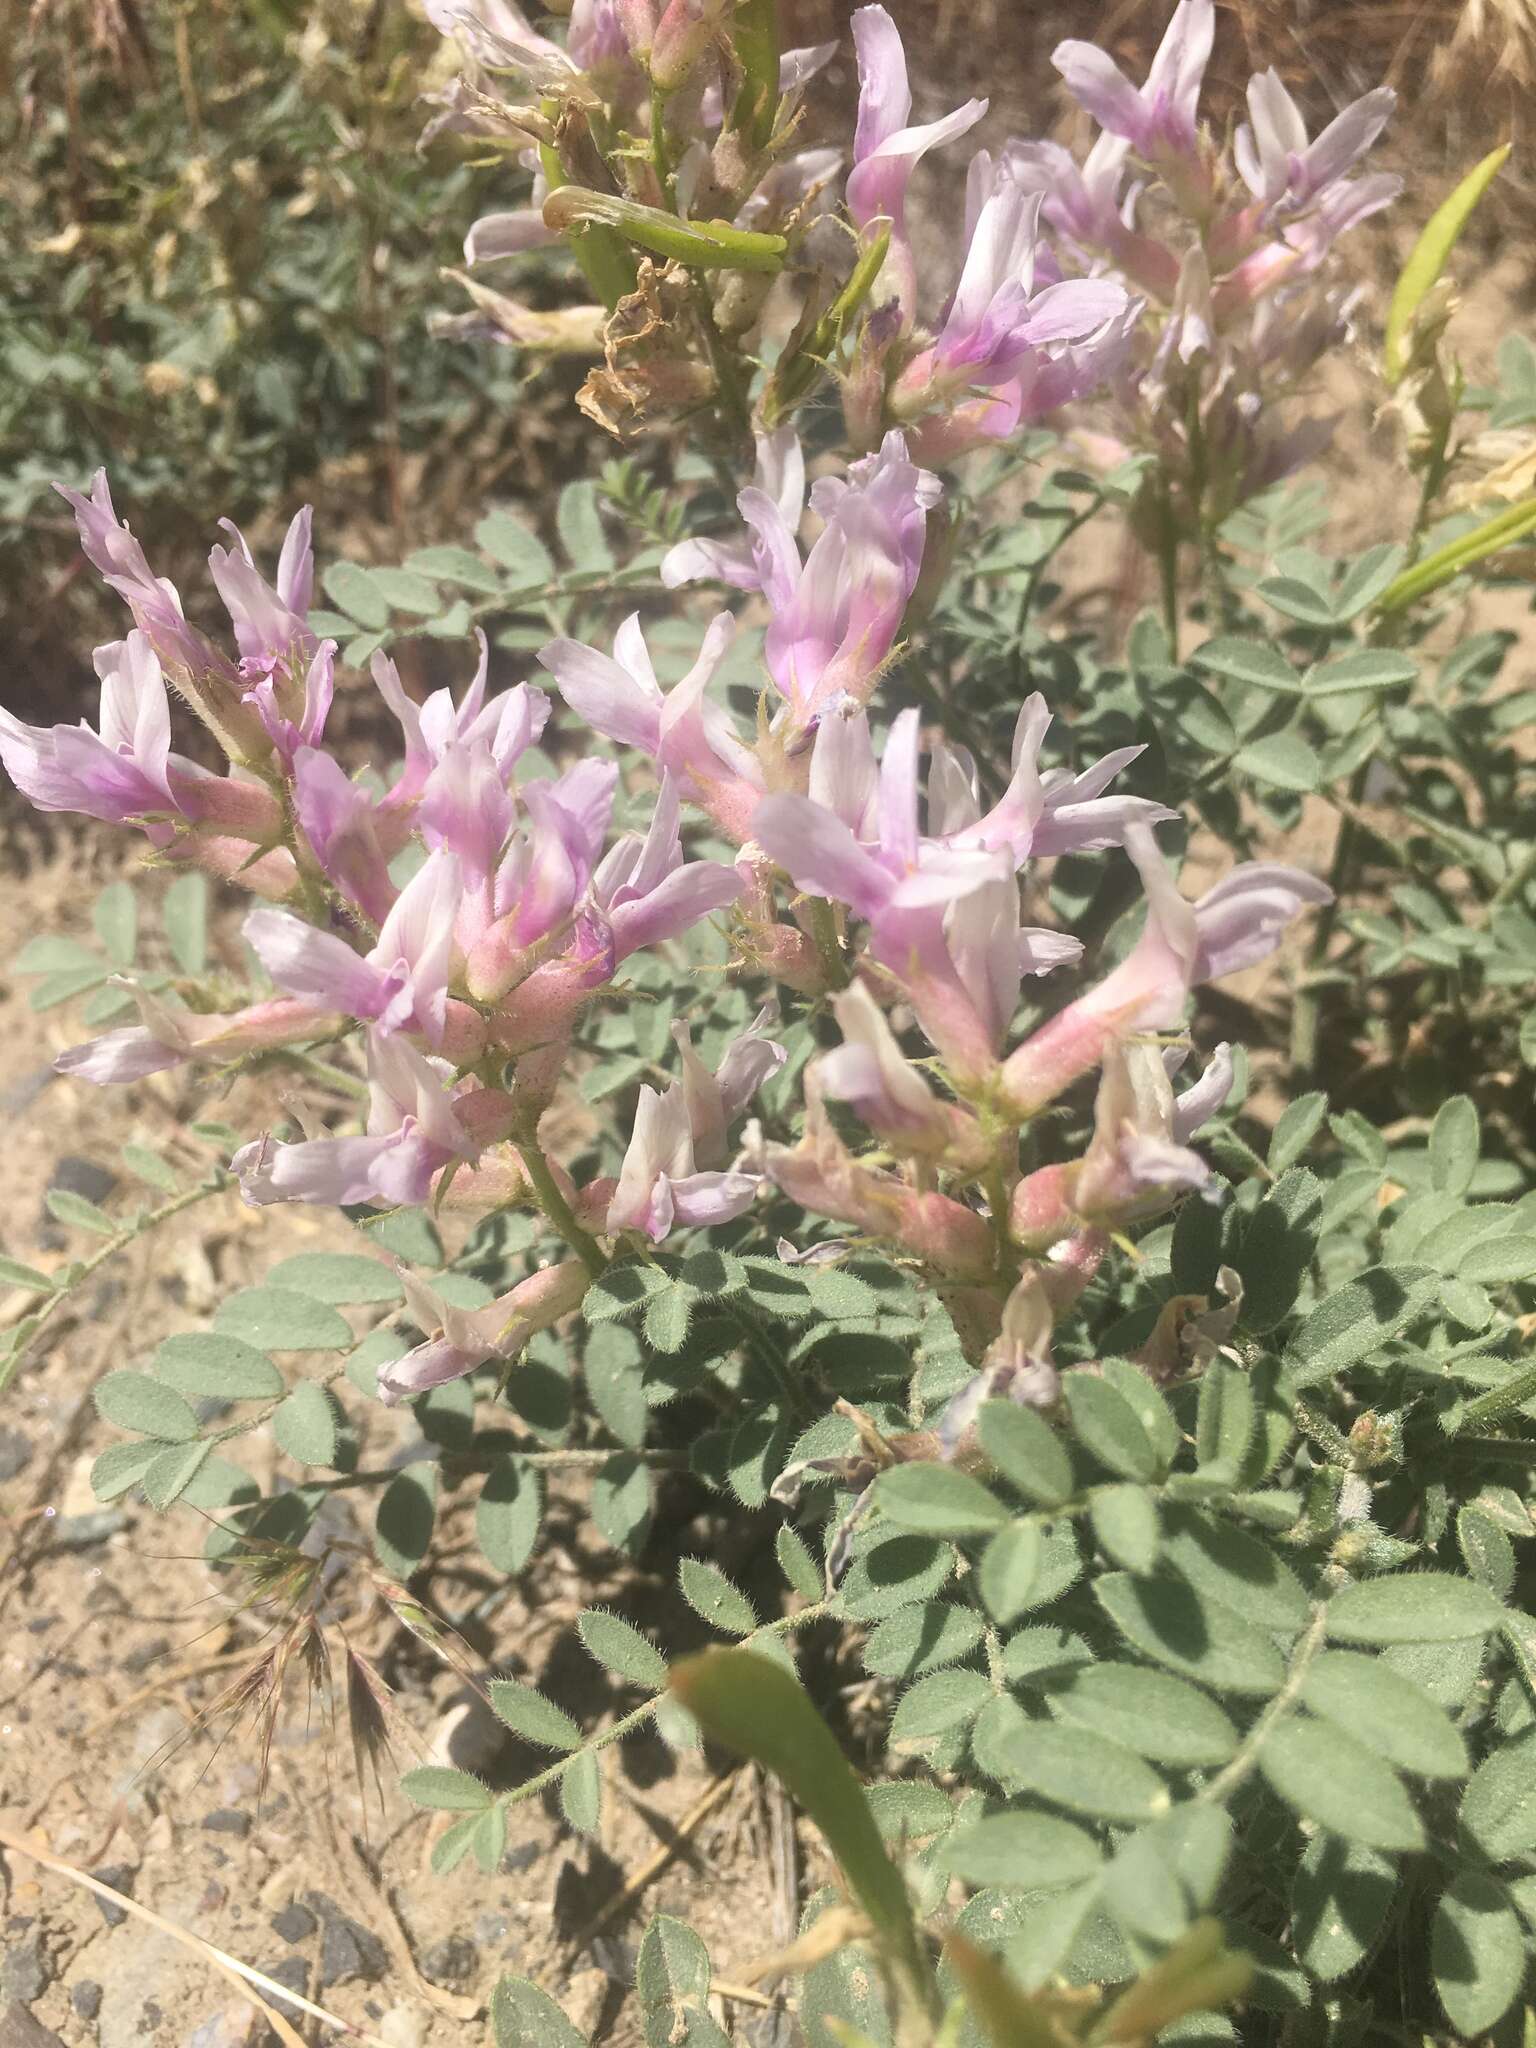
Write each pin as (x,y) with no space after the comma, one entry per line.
(230,1966)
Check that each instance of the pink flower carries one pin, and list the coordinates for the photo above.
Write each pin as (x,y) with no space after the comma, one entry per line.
(112,550)
(120,774)
(833,617)
(507,726)
(779,475)
(1034,345)
(459,1339)
(886,149)
(1237,923)
(271,624)
(340,821)
(1276,161)
(170,1036)
(690,738)
(873,1076)
(1158,118)
(674,1172)
(294,716)
(413,1132)
(401,984)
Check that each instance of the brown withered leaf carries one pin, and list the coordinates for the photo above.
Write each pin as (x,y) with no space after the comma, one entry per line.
(652,349)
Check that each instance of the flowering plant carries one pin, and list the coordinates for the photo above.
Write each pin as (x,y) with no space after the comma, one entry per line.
(896,1014)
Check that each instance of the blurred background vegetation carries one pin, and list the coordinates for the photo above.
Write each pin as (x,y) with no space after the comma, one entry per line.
(223,253)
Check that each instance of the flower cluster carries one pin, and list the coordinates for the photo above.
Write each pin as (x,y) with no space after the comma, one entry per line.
(459,917)
(1228,254)
(671,136)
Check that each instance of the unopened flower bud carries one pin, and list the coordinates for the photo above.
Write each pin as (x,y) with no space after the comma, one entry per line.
(684,33)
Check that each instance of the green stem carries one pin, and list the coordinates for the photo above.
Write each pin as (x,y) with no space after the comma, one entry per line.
(823,922)
(1168,574)
(543,1461)
(1306,1013)
(1233,1774)
(628,1723)
(142,1224)
(559,1211)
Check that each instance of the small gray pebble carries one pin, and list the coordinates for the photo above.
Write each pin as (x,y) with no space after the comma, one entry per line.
(227,1820)
(81,1532)
(346,1950)
(294,1923)
(523,1857)
(26,1971)
(292,1971)
(451,1960)
(120,1877)
(492,1927)
(86,1998)
(15,1451)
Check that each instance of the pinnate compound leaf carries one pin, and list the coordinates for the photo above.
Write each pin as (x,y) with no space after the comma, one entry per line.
(1027,1451)
(937,1703)
(672,1981)
(1026,1850)
(1152,1712)
(1295,1128)
(1235,1568)
(581,1793)
(507,1514)
(710,1594)
(1107,1425)
(1454,1143)
(1339,1902)
(507,541)
(337,1277)
(529,1714)
(150,1168)
(1127,1526)
(280,1319)
(1284,761)
(121,1466)
(922,1638)
(1356,1320)
(1498,1808)
(72,1209)
(406,1517)
(1083,1770)
(172,1471)
(797,1563)
(1329,1778)
(1010,1570)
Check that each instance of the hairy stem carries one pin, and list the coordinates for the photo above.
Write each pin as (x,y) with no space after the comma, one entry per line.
(147,1220)
(559,1211)
(1233,1774)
